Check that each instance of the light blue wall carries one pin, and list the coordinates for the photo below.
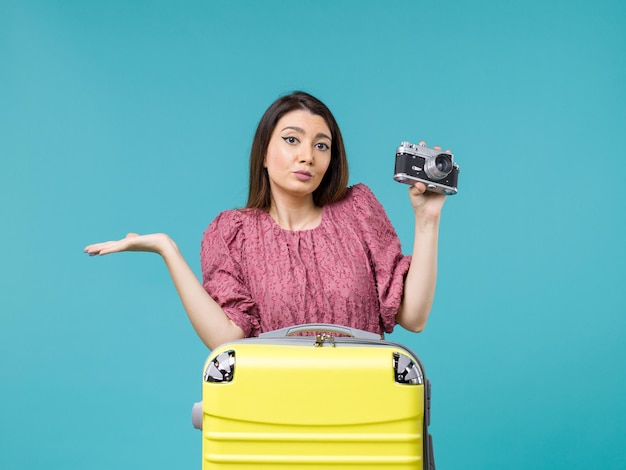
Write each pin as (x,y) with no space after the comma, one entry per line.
(138,116)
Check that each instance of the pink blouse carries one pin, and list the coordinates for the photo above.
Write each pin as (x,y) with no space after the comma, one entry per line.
(349,270)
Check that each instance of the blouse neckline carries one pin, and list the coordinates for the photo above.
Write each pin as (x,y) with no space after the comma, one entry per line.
(303,231)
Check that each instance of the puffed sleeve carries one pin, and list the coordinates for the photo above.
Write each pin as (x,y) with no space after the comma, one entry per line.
(389,265)
(222,274)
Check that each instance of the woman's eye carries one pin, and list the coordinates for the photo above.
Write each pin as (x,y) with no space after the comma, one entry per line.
(290,139)
(322,146)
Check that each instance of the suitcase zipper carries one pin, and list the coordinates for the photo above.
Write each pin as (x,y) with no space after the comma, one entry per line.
(321,338)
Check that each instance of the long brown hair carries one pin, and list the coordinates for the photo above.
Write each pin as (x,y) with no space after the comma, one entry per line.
(333,186)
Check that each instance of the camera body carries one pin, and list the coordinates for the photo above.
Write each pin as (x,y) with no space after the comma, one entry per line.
(436,169)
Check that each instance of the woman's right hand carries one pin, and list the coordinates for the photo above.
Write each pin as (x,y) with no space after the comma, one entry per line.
(153,242)
(207,317)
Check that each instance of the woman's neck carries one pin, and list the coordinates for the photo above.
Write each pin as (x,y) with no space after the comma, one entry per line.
(296,215)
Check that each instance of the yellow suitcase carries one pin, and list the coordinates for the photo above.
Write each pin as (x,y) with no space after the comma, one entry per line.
(334,398)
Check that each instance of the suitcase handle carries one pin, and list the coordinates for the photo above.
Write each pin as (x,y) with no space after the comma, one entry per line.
(327,327)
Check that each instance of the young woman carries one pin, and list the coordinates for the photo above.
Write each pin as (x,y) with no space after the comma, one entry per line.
(306,248)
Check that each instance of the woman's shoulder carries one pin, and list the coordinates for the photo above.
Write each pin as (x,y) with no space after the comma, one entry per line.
(360,206)
(357,193)
(229,225)
(359,197)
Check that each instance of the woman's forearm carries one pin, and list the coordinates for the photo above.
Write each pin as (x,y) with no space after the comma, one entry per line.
(206,316)
(421,279)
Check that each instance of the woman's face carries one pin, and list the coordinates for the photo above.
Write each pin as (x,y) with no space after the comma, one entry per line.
(298,154)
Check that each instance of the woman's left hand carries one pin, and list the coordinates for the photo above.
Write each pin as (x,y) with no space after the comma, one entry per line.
(426,204)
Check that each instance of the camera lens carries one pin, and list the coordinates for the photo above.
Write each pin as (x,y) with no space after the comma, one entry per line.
(443,164)
(439,167)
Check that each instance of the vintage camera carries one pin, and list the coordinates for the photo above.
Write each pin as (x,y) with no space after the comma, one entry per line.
(434,168)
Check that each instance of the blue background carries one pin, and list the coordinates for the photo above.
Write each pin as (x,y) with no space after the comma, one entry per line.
(138,116)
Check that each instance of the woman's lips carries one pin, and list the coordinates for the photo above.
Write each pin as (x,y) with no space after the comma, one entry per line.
(303,175)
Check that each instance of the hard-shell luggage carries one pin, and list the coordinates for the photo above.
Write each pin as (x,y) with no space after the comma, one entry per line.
(341,398)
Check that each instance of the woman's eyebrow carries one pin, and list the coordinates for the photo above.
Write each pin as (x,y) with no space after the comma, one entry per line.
(301,131)
(295,128)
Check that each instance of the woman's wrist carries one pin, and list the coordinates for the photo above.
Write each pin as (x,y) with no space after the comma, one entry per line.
(166,246)
(427,222)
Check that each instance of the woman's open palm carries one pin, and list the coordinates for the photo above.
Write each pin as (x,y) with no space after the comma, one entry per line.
(152,242)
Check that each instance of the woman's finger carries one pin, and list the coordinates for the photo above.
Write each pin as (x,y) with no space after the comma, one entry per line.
(420,187)
(102,248)
(436,147)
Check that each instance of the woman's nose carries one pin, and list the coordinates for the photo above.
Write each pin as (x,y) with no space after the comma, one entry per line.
(306,156)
